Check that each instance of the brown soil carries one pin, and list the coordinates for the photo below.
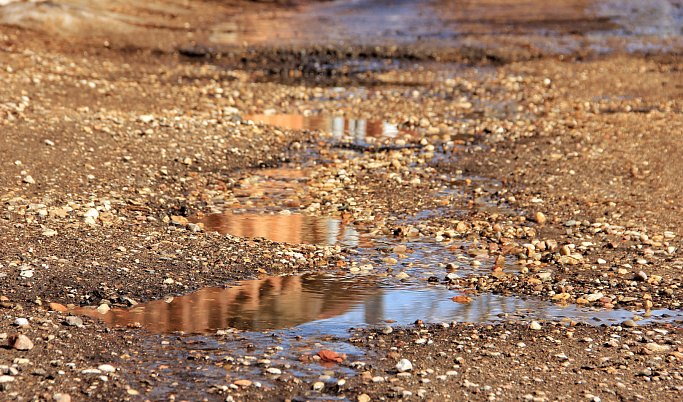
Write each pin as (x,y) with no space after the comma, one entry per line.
(141,125)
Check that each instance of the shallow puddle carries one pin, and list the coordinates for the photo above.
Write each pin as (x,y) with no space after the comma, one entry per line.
(339,128)
(286,228)
(330,304)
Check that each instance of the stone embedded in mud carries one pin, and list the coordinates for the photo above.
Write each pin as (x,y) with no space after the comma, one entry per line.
(21,342)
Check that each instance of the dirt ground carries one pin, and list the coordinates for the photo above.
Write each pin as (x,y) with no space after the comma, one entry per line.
(111,140)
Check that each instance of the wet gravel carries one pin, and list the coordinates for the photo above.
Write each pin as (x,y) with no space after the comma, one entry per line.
(562,166)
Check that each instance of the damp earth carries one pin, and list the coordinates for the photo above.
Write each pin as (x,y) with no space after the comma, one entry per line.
(341,200)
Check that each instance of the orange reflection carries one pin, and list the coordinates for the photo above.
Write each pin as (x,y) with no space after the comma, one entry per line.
(294,228)
(265,304)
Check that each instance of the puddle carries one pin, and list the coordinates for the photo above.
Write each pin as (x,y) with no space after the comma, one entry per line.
(339,128)
(330,304)
(287,228)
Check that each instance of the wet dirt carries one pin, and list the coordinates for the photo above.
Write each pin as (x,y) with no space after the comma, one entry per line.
(519,158)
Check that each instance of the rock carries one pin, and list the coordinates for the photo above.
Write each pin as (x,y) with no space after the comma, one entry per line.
(318,386)
(59,397)
(21,322)
(103,308)
(404,365)
(28,179)
(539,217)
(106,368)
(242,383)
(91,371)
(594,297)
(363,398)
(273,371)
(629,323)
(48,232)
(535,326)
(91,213)
(641,276)
(387,330)
(21,342)
(565,250)
(657,348)
(6,378)
(57,307)
(402,275)
(73,321)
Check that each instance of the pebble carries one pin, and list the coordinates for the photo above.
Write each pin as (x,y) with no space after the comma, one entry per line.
(273,371)
(21,342)
(641,276)
(657,348)
(21,322)
(402,275)
(535,326)
(103,308)
(404,365)
(59,397)
(318,386)
(539,217)
(73,321)
(6,378)
(106,368)
(629,323)
(28,179)
(387,330)
(363,398)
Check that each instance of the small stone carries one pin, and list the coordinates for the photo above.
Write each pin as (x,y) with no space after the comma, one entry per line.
(535,326)
(242,383)
(657,348)
(363,398)
(629,323)
(594,297)
(21,342)
(318,386)
(21,322)
(539,217)
(387,330)
(641,276)
(106,368)
(73,321)
(273,371)
(49,232)
(59,397)
(402,275)
(565,250)
(6,378)
(169,281)
(28,179)
(103,308)
(404,365)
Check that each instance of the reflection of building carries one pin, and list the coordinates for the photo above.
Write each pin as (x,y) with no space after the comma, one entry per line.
(257,305)
(294,228)
(341,128)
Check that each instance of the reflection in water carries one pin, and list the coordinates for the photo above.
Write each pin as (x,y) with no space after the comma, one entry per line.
(317,302)
(294,228)
(341,128)
(255,305)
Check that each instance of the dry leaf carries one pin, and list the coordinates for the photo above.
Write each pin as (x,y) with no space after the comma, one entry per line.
(330,356)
